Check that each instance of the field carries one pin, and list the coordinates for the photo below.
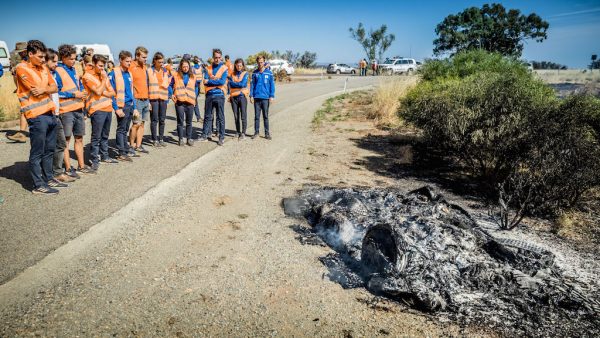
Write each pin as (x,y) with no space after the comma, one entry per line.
(569,76)
(9,105)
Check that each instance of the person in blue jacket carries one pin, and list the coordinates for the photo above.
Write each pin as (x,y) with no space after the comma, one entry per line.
(238,92)
(262,94)
(215,84)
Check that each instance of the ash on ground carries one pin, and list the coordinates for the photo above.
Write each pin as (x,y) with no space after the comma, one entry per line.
(433,256)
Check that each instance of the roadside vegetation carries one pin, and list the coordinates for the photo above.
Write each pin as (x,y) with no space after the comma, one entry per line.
(9,105)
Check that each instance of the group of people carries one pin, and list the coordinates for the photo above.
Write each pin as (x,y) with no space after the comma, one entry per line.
(363,66)
(55,101)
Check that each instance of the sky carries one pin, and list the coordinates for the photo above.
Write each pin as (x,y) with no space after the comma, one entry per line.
(244,28)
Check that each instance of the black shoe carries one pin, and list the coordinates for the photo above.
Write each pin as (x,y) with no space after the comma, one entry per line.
(254,136)
(109,161)
(124,158)
(86,170)
(268,136)
(73,173)
(95,167)
(54,183)
(44,191)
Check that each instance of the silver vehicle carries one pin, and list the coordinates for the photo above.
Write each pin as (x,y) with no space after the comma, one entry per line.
(399,66)
(340,68)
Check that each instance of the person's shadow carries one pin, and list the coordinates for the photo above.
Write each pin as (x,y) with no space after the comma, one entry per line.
(18,172)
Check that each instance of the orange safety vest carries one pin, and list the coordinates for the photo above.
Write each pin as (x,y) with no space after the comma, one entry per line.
(68,104)
(32,106)
(220,72)
(236,91)
(229,67)
(182,92)
(158,91)
(120,87)
(95,102)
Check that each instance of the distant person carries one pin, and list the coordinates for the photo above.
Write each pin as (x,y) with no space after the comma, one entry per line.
(183,84)
(375,67)
(58,159)
(229,65)
(197,68)
(89,52)
(159,81)
(364,66)
(262,94)
(123,103)
(18,57)
(34,86)
(109,67)
(139,73)
(239,91)
(87,64)
(169,66)
(71,94)
(100,110)
(215,84)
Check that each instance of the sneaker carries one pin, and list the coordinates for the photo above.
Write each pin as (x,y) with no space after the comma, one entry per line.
(190,142)
(132,153)
(141,149)
(44,191)
(180,143)
(124,158)
(254,136)
(220,142)
(202,139)
(154,143)
(73,173)
(95,166)
(54,183)
(86,170)
(241,137)
(110,161)
(64,178)
(162,143)
(268,136)
(18,137)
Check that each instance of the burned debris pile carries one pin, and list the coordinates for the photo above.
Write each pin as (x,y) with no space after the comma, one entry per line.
(432,256)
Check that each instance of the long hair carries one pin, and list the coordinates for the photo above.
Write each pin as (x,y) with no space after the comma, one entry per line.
(240,60)
(180,68)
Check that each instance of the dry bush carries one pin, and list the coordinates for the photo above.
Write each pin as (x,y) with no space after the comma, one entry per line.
(386,100)
(9,104)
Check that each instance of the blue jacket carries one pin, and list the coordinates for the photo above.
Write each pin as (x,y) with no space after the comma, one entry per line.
(1,70)
(219,82)
(128,83)
(263,84)
(233,84)
(73,74)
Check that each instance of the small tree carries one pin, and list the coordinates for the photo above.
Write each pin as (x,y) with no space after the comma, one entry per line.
(307,60)
(375,42)
(251,60)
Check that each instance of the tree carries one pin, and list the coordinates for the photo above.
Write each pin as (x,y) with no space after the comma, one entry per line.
(491,28)
(291,57)
(251,60)
(307,60)
(547,65)
(374,42)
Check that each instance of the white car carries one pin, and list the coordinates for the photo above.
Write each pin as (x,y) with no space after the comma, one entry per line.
(4,56)
(340,68)
(101,49)
(277,65)
(399,66)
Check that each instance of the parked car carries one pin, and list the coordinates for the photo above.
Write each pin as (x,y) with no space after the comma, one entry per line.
(101,49)
(340,68)
(4,56)
(399,66)
(277,65)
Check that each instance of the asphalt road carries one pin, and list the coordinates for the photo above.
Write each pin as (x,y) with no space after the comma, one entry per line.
(33,226)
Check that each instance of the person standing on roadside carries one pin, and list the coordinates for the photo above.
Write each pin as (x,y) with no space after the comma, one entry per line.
(139,73)
(100,109)
(262,94)
(229,65)
(61,144)
(160,81)
(123,103)
(183,84)
(215,84)
(71,97)
(18,57)
(197,68)
(238,86)
(34,86)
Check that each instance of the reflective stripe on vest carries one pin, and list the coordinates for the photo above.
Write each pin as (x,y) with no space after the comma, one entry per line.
(32,106)
(237,91)
(95,102)
(182,92)
(120,87)
(158,91)
(220,72)
(68,104)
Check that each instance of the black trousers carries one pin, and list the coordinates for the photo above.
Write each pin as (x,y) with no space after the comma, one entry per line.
(158,116)
(240,114)
(185,113)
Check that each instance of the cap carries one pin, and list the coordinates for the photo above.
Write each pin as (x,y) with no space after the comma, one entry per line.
(20,47)
(187,56)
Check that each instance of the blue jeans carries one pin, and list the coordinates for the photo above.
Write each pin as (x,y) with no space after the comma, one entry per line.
(261,105)
(217,103)
(185,113)
(123,129)
(100,129)
(42,134)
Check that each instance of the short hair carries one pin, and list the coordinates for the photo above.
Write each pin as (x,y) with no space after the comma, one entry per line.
(140,50)
(216,50)
(87,59)
(124,54)
(34,46)
(97,58)
(65,51)
(50,54)
(226,57)
(260,57)
(157,56)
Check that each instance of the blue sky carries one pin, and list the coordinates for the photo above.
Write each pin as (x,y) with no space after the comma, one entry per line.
(321,27)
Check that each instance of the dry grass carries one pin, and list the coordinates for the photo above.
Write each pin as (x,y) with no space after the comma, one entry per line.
(309,71)
(9,104)
(386,100)
(569,75)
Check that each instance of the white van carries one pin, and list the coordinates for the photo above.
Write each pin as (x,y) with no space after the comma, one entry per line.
(4,55)
(98,49)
